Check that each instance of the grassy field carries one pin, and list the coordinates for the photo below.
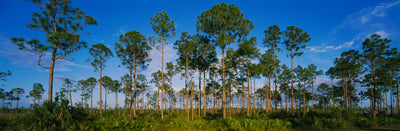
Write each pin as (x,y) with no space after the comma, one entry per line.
(62,117)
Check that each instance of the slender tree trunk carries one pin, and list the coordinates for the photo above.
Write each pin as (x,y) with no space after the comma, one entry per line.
(204,95)
(266,96)
(162,78)
(70,96)
(134,87)
(91,99)
(171,95)
(223,83)
(213,82)
(304,104)
(273,46)
(82,97)
(229,102)
(187,88)
(101,102)
(333,94)
(391,94)
(345,93)
(398,102)
(199,99)
(373,84)
(312,88)
(116,100)
(292,83)
(191,92)
(105,98)
(323,104)
(51,71)
(17,105)
(248,87)
(254,91)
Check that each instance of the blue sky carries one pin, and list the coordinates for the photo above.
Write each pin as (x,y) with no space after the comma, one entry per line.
(334,26)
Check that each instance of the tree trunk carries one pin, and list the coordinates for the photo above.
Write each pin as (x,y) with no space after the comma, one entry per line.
(323,104)
(17,104)
(51,71)
(116,100)
(345,93)
(105,98)
(162,78)
(82,97)
(254,91)
(199,99)
(398,102)
(101,102)
(134,87)
(70,96)
(171,95)
(187,88)
(373,84)
(191,92)
(223,83)
(273,46)
(304,104)
(292,83)
(213,82)
(312,88)
(91,99)
(248,87)
(204,95)
(266,96)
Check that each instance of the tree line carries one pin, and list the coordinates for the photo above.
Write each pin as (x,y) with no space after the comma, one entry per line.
(230,83)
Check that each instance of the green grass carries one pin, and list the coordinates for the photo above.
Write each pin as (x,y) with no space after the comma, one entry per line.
(61,117)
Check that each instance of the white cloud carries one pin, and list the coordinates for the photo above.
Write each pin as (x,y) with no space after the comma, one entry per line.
(21,58)
(344,45)
(383,34)
(370,19)
(155,55)
(317,49)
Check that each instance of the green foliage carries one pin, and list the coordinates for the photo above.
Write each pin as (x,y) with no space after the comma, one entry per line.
(55,115)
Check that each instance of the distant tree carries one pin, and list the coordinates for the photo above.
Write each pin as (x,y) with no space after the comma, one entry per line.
(295,40)
(171,71)
(133,50)
(185,47)
(126,81)
(313,74)
(10,96)
(205,56)
(324,89)
(266,63)
(164,27)
(249,51)
(271,40)
(224,24)
(83,85)
(142,85)
(116,88)
(100,54)
(92,84)
(37,92)
(373,56)
(157,79)
(107,83)
(284,80)
(62,24)
(303,76)
(68,84)
(18,91)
